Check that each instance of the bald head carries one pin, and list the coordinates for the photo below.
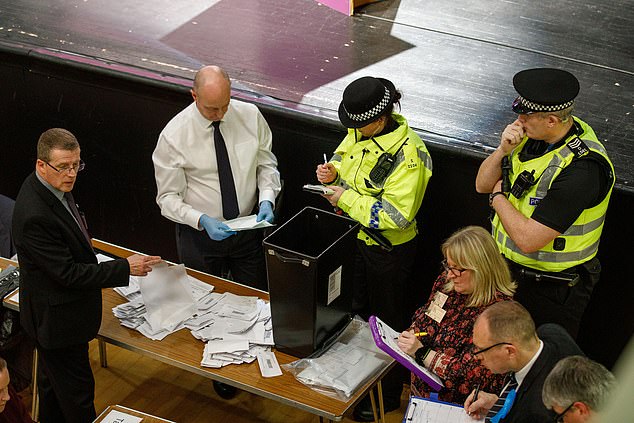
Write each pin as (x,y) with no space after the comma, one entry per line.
(212,92)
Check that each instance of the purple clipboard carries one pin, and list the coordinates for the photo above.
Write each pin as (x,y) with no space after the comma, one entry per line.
(380,332)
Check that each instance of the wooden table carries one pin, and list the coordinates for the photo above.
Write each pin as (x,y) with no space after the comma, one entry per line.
(147,418)
(182,350)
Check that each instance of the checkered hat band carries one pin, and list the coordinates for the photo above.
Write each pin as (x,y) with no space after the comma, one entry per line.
(542,108)
(373,111)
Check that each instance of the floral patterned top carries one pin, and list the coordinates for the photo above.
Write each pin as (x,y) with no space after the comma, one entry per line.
(451,341)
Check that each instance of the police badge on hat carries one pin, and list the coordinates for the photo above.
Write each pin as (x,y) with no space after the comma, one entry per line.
(544,90)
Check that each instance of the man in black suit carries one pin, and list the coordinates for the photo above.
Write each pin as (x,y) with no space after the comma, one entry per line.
(505,341)
(60,279)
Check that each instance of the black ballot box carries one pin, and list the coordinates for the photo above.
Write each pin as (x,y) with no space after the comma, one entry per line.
(309,262)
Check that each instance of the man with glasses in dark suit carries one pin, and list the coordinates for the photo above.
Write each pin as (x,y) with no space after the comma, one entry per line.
(506,342)
(60,279)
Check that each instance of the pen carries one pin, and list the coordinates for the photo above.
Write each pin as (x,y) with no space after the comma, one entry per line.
(475,395)
(418,334)
(325,159)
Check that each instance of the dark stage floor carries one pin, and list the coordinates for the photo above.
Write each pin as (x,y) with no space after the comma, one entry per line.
(453,60)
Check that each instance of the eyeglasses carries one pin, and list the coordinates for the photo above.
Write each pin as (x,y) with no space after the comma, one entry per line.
(559,418)
(488,348)
(66,169)
(456,271)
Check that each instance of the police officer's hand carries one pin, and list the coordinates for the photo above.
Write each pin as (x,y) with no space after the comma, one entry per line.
(215,228)
(142,265)
(333,198)
(266,212)
(511,136)
(326,173)
(408,342)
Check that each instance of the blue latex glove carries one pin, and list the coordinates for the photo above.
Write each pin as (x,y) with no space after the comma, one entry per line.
(215,228)
(266,212)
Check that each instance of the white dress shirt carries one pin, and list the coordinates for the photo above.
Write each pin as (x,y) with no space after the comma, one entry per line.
(520,375)
(186,170)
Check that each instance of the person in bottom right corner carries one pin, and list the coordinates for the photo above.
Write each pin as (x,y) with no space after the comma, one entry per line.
(577,388)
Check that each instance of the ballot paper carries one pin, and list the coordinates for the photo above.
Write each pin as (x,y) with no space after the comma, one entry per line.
(318,189)
(246,223)
(426,410)
(167,297)
(115,416)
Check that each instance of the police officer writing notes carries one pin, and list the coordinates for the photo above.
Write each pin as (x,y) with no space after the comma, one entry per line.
(379,174)
(549,181)
(213,162)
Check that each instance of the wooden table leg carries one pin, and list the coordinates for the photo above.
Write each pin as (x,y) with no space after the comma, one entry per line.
(381,408)
(35,402)
(103,358)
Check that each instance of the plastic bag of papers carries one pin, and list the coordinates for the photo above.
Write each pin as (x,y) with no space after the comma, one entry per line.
(350,361)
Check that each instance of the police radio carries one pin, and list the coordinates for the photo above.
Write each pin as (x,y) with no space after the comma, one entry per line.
(506,175)
(384,164)
(382,168)
(524,181)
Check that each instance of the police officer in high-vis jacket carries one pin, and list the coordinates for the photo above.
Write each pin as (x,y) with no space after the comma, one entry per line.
(379,174)
(550,182)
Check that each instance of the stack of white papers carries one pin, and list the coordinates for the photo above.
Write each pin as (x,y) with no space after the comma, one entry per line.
(234,328)
(169,310)
(246,223)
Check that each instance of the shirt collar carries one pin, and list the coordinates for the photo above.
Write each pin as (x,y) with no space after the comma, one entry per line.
(203,121)
(521,374)
(57,193)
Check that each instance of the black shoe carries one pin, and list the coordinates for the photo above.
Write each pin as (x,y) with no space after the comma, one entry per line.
(363,411)
(225,391)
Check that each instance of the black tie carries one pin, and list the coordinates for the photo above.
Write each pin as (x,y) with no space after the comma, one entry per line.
(78,217)
(230,209)
(502,398)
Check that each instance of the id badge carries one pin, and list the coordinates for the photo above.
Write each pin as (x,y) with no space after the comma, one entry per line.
(436,313)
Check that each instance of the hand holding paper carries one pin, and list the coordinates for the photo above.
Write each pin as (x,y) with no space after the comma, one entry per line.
(215,228)
(142,265)
(266,212)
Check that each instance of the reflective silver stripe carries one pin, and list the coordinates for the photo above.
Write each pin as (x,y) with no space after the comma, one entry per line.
(595,146)
(576,230)
(336,158)
(425,158)
(547,175)
(552,257)
(343,184)
(396,216)
(555,162)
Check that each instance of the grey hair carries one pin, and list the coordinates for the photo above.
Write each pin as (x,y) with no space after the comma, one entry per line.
(563,114)
(578,378)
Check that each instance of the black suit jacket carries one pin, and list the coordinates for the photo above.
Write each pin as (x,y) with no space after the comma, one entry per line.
(528,406)
(60,280)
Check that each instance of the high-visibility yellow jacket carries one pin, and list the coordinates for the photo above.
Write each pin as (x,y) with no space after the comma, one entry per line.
(580,242)
(390,206)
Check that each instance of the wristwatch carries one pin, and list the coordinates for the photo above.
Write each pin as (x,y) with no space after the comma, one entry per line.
(421,354)
(493,195)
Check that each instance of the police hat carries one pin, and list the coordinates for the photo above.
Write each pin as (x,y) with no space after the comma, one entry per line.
(544,90)
(364,100)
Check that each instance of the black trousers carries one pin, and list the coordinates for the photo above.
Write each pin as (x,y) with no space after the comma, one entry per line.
(239,257)
(382,288)
(551,301)
(66,385)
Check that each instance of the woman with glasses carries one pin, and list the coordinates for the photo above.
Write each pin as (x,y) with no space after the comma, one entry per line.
(474,275)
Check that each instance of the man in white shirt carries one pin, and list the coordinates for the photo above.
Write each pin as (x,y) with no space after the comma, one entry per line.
(505,341)
(213,162)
